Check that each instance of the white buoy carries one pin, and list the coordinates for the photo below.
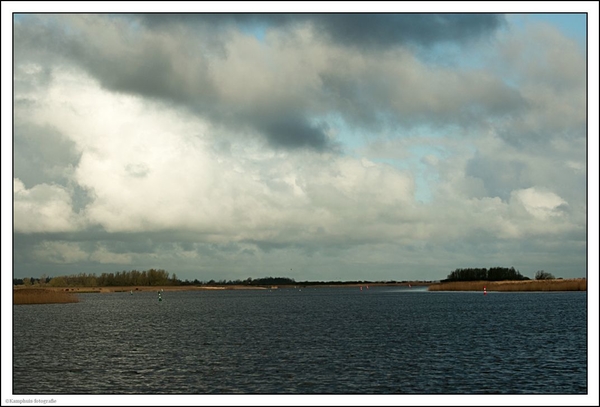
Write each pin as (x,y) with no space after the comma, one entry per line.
(484,292)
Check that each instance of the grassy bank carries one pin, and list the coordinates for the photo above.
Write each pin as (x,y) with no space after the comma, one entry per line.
(573,284)
(42,296)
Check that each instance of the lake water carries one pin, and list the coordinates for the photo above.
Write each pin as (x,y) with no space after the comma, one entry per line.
(382,340)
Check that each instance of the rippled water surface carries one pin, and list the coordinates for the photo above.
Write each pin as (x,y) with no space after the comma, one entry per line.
(309,341)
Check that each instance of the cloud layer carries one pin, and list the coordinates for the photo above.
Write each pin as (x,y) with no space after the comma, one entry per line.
(339,146)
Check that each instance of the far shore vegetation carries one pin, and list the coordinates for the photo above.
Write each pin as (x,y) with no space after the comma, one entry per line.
(63,289)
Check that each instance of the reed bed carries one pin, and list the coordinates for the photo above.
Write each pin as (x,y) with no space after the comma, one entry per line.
(572,284)
(42,296)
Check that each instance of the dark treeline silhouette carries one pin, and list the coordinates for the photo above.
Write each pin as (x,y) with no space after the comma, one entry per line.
(150,277)
(482,274)
(155,277)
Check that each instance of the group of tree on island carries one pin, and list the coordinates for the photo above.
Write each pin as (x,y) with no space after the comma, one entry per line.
(483,274)
(493,274)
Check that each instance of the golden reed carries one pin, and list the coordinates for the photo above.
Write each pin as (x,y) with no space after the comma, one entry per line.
(42,296)
(571,284)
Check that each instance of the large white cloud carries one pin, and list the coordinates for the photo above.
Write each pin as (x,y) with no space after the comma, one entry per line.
(148,167)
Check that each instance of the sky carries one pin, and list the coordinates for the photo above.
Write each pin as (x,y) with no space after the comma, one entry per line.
(320,147)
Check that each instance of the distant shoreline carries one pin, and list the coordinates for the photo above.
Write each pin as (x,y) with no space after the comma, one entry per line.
(46,294)
(142,288)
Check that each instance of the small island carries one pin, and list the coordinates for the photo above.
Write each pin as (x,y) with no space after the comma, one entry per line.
(505,279)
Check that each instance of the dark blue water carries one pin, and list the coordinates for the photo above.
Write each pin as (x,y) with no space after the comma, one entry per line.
(313,341)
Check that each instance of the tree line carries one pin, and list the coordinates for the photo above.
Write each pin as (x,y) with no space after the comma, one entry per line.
(154,277)
(483,274)
(150,277)
(160,277)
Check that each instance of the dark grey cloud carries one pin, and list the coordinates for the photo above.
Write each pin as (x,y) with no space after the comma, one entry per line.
(123,61)
(171,57)
(362,30)
(293,131)
(154,69)
(387,30)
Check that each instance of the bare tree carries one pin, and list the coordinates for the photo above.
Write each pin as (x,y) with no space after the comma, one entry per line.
(543,275)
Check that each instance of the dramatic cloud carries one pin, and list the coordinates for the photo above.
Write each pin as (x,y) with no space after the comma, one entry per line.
(364,31)
(272,86)
(339,146)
